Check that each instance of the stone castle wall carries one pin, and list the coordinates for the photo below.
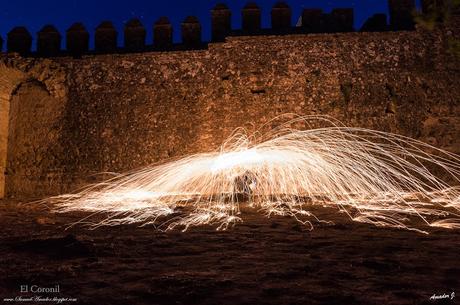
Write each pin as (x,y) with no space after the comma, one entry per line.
(70,119)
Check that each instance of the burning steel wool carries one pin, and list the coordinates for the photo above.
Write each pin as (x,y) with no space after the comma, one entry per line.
(375,177)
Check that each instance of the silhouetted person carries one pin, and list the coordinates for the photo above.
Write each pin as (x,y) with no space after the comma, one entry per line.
(244,186)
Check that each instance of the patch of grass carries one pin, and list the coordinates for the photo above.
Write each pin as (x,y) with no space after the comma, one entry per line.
(440,14)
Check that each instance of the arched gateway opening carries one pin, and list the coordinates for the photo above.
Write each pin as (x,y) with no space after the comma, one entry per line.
(31,130)
(32,99)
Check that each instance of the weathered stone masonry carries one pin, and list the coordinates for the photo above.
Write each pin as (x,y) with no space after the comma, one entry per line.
(63,120)
(30,127)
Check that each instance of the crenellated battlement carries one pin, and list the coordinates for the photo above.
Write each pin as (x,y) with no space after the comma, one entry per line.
(312,20)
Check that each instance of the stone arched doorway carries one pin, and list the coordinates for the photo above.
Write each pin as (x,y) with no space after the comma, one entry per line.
(32,99)
(32,134)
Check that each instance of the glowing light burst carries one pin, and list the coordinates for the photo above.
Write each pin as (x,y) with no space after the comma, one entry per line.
(375,177)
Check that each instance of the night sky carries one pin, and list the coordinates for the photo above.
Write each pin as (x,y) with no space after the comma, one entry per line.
(35,14)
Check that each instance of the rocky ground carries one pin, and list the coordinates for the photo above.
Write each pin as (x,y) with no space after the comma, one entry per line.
(260,261)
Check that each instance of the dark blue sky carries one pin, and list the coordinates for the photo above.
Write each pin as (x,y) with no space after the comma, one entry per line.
(62,13)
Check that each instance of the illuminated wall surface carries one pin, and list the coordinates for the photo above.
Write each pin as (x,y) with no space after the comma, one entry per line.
(64,119)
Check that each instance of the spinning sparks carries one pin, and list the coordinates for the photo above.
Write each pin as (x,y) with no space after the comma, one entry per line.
(375,177)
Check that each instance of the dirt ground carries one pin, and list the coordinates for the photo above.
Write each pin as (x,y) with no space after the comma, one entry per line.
(260,261)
